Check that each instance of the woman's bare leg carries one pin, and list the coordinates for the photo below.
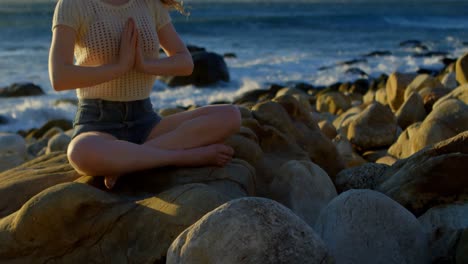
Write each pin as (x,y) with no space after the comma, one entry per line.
(200,127)
(95,153)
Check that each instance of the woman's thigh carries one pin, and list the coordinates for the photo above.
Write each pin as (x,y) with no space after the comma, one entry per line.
(171,122)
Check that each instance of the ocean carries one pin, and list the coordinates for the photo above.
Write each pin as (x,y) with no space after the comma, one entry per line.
(275,42)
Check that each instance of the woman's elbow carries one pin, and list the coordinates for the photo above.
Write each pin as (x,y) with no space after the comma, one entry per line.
(57,84)
(188,66)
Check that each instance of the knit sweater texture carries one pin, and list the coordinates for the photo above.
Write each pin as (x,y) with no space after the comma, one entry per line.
(99,26)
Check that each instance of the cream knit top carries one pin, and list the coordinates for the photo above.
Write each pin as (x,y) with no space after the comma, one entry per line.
(98,27)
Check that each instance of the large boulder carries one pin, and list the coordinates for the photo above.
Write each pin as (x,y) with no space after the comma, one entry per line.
(367,176)
(332,102)
(375,127)
(446,120)
(209,68)
(395,88)
(58,142)
(434,176)
(21,89)
(12,151)
(77,223)
(460,93)
(462,69)
(420,82)
(304,188)
(411,111)
(18,185)
(444,225)
(364,226)
(249,230)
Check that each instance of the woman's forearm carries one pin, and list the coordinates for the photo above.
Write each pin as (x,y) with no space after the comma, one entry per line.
(179,64)
(68,77)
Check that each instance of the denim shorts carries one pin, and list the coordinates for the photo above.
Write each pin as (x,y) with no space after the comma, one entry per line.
(130,121)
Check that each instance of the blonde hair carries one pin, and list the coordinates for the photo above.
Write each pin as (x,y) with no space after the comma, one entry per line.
(179,6)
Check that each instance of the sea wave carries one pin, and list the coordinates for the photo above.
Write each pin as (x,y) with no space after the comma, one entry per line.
(434,22)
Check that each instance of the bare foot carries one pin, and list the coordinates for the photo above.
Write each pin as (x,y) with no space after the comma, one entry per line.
(110,181)
(212,155)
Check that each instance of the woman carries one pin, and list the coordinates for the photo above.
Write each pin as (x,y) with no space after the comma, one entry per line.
(116,45)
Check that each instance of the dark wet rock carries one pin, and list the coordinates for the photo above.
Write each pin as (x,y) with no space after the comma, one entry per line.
(193,48)
(3,120)
(378,53)
(360,86)
(448,61)
(367,176)
(434,176)
(432,54)
(356,71)
(427,71)
(63,124)
(304,86)
(21,89)
(229,55)
(352,62)
(209,68)
(411,42)
(253,96)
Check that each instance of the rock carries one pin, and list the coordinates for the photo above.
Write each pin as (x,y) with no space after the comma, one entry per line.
(364,226)
(462,69)
(432,95)
(230,55)
(420,82)
(249,230)
(327,129)
(245,148)
(378,53)
(254,96)
(52,132)
(381,96)
(360,86)
(449,80)
(444,225)
(462,248)
(387,160)
(432,54)
(209,68)
(411,111)
(446,120)
(77,223)
(3,120)
(395,89)
(21,89)
(357,71)
(375,127)
(304,188)
(404,146)
(460,93)
(36,147)
(352,62)
(332,102)
(23,182)
(63,124)
(434,176)
(341,123)
(345,149)
(12,151)
(374,155)
(59,142)
(367,176)
(194,48)
(410,43)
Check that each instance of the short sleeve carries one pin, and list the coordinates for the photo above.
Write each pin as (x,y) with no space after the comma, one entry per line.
(67,13)
(161,14)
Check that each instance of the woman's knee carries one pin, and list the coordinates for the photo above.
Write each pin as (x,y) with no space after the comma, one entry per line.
(233,118)
(83,153)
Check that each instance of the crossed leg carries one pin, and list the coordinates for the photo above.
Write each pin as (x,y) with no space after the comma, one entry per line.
(186,139)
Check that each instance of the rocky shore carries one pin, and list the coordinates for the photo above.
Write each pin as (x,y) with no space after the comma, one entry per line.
(373,171)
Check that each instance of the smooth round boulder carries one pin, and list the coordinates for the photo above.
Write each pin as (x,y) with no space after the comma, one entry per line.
(59,142)
(444,224)
(364,226)
(20,90)
(12,151)
(411,111)
(449,80)
(249,230)
(462,69)
(375,127)
(332,102)
(367,176)
(395,88)
(303,187)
